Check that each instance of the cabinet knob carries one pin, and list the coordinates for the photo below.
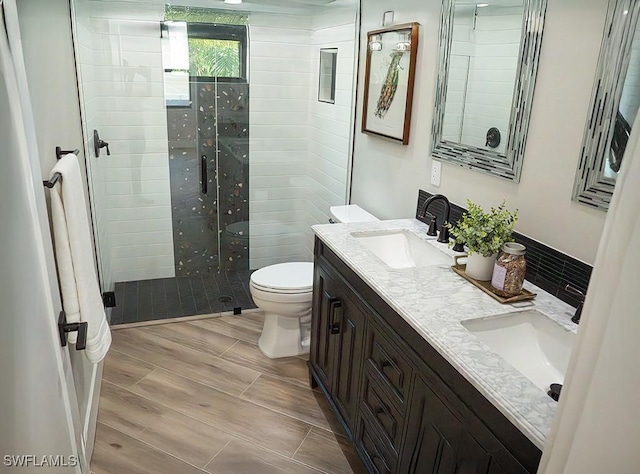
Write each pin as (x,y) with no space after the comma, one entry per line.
(334,329)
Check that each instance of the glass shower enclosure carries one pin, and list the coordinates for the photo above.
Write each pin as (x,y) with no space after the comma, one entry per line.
(170,202)
(221,158)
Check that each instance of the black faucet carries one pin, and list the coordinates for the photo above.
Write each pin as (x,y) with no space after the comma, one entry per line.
(581,297)
(444,231)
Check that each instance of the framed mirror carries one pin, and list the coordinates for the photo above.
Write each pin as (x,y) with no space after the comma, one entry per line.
(614,105)
(489,56)
(327,75)
(388,83)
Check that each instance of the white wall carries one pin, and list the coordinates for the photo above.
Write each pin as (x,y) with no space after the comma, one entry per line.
(122,84)
(51,69)
(36,403)
(387,176)
(280,83)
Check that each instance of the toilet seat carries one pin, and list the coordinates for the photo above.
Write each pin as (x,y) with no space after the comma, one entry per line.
(284,278)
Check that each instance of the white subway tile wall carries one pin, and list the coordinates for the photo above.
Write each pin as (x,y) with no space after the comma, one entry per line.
(87,74)
(122,82)
(299,147)
(330,128)
(280,86)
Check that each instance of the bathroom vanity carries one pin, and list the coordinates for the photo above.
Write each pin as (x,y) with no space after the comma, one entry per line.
(415,390)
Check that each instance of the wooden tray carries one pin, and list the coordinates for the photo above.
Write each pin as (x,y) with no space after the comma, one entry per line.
(487,288)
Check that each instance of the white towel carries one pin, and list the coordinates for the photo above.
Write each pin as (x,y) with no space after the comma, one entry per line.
(74,254)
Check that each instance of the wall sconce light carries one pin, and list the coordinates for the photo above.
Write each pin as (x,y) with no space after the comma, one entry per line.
(376,43)
(404,42)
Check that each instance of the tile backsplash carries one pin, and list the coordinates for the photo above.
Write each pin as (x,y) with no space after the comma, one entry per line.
(547,268)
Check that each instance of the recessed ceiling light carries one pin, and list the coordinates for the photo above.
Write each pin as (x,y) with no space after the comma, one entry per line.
(482,5)
(625,12)
(233,2)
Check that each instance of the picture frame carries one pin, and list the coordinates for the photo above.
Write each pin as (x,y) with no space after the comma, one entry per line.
(389,81)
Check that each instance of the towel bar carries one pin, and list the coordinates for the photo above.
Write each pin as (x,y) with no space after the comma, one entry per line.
(50,184)
(57,176)
(60,152)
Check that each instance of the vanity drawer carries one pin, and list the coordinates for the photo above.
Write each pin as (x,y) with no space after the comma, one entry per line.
(379,459)
(384,359)
(384,415)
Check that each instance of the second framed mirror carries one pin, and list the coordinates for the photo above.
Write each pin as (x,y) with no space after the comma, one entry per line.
(614,106)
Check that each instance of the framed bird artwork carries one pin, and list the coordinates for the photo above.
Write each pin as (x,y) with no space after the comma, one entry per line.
(389,79)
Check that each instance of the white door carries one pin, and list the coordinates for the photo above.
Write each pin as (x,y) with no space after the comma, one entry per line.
(39,421)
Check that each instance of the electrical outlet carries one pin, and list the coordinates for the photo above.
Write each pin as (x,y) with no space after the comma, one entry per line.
(436,170)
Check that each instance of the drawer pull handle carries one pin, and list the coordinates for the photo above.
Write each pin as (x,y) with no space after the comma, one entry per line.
(335,307)
(379,411)
(385,363)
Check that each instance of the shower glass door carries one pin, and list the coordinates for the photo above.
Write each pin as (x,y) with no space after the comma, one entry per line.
(207,96)
(169,93)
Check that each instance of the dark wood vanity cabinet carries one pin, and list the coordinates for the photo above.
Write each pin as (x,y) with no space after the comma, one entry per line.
(337,351)
(406,409)
(437,441)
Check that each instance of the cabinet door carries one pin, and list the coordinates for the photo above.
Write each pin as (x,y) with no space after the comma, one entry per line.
(433,436)
(325,303)
(349,321)
(437,441)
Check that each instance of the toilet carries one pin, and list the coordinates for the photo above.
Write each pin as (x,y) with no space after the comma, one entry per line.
(284,292)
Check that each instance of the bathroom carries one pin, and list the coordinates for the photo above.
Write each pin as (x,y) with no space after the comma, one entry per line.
(379,175)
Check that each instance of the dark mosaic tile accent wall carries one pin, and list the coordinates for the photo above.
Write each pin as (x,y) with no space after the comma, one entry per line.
(192,133)
(547,268)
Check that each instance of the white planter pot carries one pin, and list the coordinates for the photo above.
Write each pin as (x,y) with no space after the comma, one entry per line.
(479,267)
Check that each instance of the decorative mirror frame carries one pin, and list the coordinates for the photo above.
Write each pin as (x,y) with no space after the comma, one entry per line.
(591,187)
(506,165)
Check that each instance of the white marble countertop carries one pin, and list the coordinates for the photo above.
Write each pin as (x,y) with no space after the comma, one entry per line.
(434,300)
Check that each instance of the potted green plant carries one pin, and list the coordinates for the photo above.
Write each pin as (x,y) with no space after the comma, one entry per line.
(483,234)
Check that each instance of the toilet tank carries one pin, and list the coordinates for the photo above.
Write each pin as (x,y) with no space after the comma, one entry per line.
(350,213)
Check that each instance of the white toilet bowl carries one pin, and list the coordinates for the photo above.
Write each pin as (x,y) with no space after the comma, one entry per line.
(284,292)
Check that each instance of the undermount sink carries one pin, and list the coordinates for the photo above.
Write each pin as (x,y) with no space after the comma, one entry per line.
(538,347)
(401,249)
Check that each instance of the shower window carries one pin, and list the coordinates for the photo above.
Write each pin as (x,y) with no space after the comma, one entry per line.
(217,51)
(202,52)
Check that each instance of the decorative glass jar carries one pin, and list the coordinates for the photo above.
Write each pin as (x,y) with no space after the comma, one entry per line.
(509,270)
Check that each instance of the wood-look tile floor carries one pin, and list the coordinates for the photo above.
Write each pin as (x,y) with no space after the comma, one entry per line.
(199,396)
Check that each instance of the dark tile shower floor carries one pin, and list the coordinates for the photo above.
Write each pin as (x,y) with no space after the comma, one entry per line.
(164,298)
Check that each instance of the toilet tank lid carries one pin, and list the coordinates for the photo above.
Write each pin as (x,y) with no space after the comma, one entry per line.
(351,213)
(285,276)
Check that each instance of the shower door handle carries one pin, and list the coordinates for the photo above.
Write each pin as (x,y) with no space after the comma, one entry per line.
(203,173)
